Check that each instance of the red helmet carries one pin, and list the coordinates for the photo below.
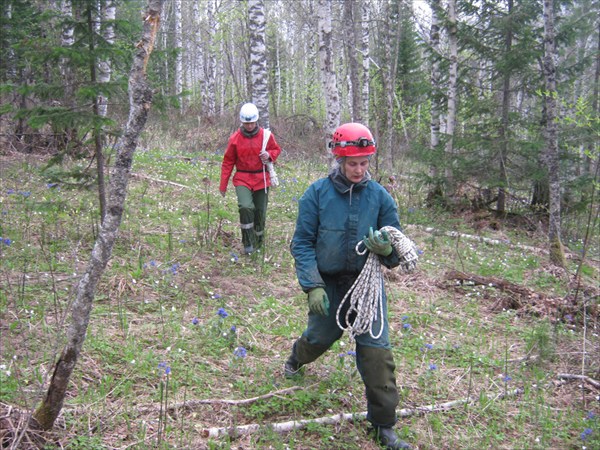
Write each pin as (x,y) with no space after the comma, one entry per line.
(352,139)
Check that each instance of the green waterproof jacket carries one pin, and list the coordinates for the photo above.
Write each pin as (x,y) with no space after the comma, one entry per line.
(333,216)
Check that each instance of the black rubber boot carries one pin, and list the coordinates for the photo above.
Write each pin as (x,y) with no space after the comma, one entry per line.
(302,353)
(291,369)
(389,439)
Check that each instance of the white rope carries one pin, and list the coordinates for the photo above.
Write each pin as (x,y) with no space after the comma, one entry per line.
(365,297)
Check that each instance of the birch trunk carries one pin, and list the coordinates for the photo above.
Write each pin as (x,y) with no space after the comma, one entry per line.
(326,66)
(108,14)
(353,67)
(258,60)
(366,59)
(452,90)
(434,42)
(557,255)
(178,52)
(208,93)
(503,132)
(140,98)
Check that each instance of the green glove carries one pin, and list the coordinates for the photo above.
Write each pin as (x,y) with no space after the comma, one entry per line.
(318,303)
(378,242)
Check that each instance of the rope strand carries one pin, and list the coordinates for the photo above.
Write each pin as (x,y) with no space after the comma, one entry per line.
(365,296)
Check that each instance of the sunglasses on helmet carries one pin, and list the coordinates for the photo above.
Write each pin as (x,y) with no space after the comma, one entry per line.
(360,142)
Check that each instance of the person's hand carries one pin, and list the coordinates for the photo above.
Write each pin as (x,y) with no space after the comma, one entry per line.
(223,193)
(378,242)
(264,156)
(318,303)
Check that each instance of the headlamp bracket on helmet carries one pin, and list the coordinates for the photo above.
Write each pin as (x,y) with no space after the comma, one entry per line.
(360,142)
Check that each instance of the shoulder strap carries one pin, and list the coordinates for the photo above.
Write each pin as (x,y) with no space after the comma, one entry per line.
(266,136)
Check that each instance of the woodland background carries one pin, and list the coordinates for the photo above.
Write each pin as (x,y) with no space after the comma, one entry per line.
(486,118)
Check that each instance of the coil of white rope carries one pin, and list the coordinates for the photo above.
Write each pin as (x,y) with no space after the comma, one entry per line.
(365,297)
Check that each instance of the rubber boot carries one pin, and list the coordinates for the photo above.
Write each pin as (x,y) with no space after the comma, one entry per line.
(389,439)
(376,367)
(302,353)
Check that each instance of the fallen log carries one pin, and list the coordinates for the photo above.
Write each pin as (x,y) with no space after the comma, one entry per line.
(283,427)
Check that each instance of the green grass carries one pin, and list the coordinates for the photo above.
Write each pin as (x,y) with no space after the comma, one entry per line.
(177,260)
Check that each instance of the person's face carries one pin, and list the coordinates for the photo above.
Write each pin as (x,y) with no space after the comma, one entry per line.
(249,126)
(355,167)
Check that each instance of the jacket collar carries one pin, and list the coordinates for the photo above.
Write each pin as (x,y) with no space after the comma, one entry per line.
(343,185)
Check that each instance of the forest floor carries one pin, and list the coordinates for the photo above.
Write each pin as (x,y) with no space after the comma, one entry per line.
(494,346)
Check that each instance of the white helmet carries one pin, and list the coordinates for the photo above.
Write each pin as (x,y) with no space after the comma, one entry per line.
(249,113)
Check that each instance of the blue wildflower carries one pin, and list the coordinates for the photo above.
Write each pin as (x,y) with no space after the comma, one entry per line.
(432,366)
(25,193)
(167,370)
(222,313)
(195,321)
(341,355)
(420,252)
(590,416)
(351,353)
(240,352)
(51,185)
(404,318)
(215,296)
(234,257)
(162,365)
(506,378)
(233,329)
(584,435)
(153,263)
(406,326)
(429,346)
(6,241)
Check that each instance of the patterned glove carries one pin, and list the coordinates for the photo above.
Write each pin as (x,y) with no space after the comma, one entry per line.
(318,303)
(264,156)
(378,242)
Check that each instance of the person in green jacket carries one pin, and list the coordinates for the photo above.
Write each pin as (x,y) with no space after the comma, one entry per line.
(334,214)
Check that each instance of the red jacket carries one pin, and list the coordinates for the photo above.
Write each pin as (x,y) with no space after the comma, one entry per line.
(242,152)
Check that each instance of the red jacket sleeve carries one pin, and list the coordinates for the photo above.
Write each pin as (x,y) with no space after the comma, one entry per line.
(229,160)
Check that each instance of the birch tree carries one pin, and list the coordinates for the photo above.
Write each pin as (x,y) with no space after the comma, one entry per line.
(108,14)
(550,132)
(178,44)
(452,32)
(140,98)
(354,90)
(366,59)
(436,80)
(326,67)
(208,91)
(258,59)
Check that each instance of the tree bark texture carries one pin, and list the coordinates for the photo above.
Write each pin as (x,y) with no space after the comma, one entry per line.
(140,97)
(551,156)
(328,77)
(258,59)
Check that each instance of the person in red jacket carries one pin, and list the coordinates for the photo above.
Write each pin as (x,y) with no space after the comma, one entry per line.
(251,179)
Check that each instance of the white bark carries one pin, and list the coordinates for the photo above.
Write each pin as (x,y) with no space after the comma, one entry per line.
(434,38)
(258,59)
(178,44)
(326,66)
(104,72)
(452,86)
(366,59)
(208,92)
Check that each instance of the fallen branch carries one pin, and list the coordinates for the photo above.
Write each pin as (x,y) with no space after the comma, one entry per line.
(568,376)
(156,180)
(283,427)
(191,404)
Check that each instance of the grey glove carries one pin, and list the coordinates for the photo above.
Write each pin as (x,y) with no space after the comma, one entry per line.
(378,242)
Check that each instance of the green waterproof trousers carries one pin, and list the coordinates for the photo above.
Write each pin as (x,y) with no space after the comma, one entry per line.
(376,367)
